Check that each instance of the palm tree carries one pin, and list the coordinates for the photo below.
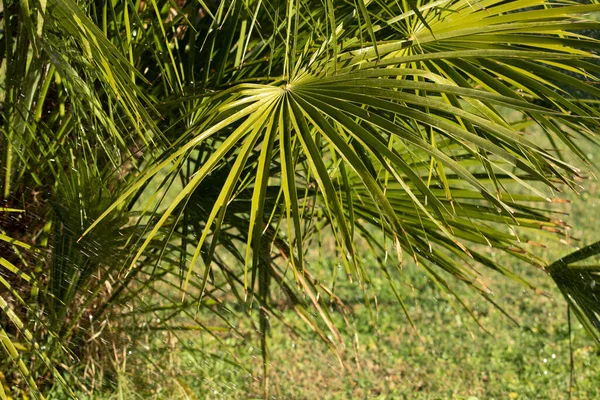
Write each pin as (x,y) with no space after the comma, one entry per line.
(205,147)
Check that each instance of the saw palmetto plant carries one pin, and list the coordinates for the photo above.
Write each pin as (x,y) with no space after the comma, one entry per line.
(164,161)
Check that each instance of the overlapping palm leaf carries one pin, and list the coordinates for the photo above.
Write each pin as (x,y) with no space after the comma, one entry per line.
(576,276)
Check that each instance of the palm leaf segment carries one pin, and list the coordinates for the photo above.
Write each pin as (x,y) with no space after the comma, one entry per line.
(576,276)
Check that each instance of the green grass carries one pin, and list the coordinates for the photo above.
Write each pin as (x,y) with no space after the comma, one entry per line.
(448,357)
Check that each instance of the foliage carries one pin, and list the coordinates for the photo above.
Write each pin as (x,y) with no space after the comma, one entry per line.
(174,156)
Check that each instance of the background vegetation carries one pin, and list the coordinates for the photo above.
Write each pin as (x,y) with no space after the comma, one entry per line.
(201,198)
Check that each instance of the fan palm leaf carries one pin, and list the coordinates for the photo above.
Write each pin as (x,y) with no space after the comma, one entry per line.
(423,112)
